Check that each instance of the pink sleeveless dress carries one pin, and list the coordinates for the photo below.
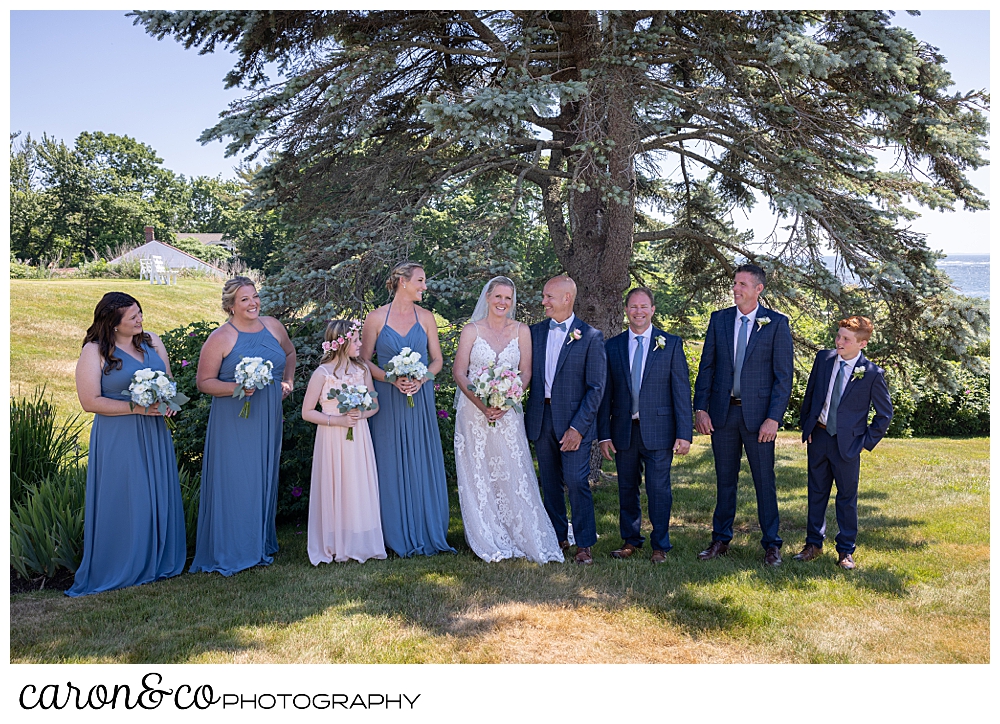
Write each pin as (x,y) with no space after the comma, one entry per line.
(344,518)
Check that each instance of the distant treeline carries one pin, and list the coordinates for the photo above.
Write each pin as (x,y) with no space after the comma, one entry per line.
(97,194)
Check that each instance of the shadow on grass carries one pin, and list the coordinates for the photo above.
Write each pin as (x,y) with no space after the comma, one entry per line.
(442,607)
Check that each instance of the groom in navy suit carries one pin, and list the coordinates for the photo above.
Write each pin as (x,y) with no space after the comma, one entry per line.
(842,387)
(740,396)
(568,371)
(645,418)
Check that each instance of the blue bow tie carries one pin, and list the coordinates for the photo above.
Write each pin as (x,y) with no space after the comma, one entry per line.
(553,324)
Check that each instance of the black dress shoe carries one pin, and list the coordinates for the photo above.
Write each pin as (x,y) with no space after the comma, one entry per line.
(718,548)
(772,556)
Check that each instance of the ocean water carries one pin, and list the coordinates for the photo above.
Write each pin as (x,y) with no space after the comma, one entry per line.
(970,273)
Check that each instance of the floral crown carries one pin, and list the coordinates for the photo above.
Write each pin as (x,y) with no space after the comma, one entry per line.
(334,345)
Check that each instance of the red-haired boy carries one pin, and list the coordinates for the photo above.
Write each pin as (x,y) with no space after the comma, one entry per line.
(843,386)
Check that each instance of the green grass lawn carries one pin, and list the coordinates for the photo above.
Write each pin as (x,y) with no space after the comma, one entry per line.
(920,593)
(49,318)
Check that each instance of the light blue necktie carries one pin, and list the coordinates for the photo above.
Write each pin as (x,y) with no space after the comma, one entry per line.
(636,374)
(741,351)
(553,324)
(831,415)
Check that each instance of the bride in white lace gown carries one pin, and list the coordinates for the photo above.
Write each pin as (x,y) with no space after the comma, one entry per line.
(502,509)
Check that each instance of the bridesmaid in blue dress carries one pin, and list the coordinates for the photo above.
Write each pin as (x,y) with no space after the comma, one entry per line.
(239,471)
(134,517)
(413,492)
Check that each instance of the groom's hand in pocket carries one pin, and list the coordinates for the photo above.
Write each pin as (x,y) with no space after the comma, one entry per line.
(608,449)
(570,441)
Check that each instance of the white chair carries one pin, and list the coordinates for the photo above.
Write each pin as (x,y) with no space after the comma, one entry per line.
(161,273)
(146,269)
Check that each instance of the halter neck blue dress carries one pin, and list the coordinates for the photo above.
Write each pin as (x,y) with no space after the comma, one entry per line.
(134,518)
(239,470)
(413,491)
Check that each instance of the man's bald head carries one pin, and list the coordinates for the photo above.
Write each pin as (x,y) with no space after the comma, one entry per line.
(558,297)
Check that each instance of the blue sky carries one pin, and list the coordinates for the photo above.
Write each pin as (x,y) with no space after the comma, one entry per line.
(74,71)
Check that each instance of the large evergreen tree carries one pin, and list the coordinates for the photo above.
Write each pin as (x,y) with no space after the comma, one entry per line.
(632,126)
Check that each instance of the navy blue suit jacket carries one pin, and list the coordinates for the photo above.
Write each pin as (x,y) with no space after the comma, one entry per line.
(577,387)
(664,395)
(766,379)
(853,431)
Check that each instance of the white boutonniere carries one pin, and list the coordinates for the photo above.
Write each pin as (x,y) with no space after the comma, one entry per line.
(763,322)
(573,336)
(661,342)
(859,373)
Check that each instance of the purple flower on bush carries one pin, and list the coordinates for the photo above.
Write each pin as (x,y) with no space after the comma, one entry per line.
(190,334)
(443,414)
(184,363)
(968,391)
(437,387)
(296,491)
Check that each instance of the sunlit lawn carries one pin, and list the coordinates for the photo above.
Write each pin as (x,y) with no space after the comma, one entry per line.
(48,320)
(920,593)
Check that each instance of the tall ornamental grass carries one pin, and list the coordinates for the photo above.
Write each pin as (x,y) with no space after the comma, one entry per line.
(46,529)
(39,444)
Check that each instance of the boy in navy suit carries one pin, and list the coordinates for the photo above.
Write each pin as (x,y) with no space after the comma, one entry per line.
(842,387)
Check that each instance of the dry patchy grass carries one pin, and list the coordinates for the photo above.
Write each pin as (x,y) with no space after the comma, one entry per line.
(920,594)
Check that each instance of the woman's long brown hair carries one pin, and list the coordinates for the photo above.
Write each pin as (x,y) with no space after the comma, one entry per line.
(107,315)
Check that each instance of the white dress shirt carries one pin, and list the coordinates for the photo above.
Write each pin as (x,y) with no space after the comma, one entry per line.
(553,348)
(633,345)
(843,385)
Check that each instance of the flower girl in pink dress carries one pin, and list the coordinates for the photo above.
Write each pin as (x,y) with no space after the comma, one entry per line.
(344,518)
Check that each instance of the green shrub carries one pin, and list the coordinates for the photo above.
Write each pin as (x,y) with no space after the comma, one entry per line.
(39,445)
(46,530)
(963,412)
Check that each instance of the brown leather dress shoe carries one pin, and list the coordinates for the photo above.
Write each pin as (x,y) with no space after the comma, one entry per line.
(718,548)
(624,552)
(659,557)
(772,556)
(808,552)
(583,556)
(846,561)
(564,545)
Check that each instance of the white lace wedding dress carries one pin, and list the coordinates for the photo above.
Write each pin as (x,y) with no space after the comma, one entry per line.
(501,506)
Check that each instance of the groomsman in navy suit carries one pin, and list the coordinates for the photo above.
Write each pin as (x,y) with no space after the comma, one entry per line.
(645,418)
(740,396)
(568,370)
(842,387)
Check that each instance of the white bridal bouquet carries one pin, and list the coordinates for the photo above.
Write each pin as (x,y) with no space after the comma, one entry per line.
(498,386)
(353,397)
(406,364)
(252,373)
(152,387)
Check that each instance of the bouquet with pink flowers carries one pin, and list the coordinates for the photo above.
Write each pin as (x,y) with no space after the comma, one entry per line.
(498,386)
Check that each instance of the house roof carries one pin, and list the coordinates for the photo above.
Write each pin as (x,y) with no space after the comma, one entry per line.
(203,238)
(172,257)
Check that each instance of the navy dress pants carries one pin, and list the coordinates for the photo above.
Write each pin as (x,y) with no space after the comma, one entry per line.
(728,443)
(572,469)
(630,464)
(826,466)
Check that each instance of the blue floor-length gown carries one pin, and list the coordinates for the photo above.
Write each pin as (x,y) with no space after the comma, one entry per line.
(239,471)
(134,516)
(413,491)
